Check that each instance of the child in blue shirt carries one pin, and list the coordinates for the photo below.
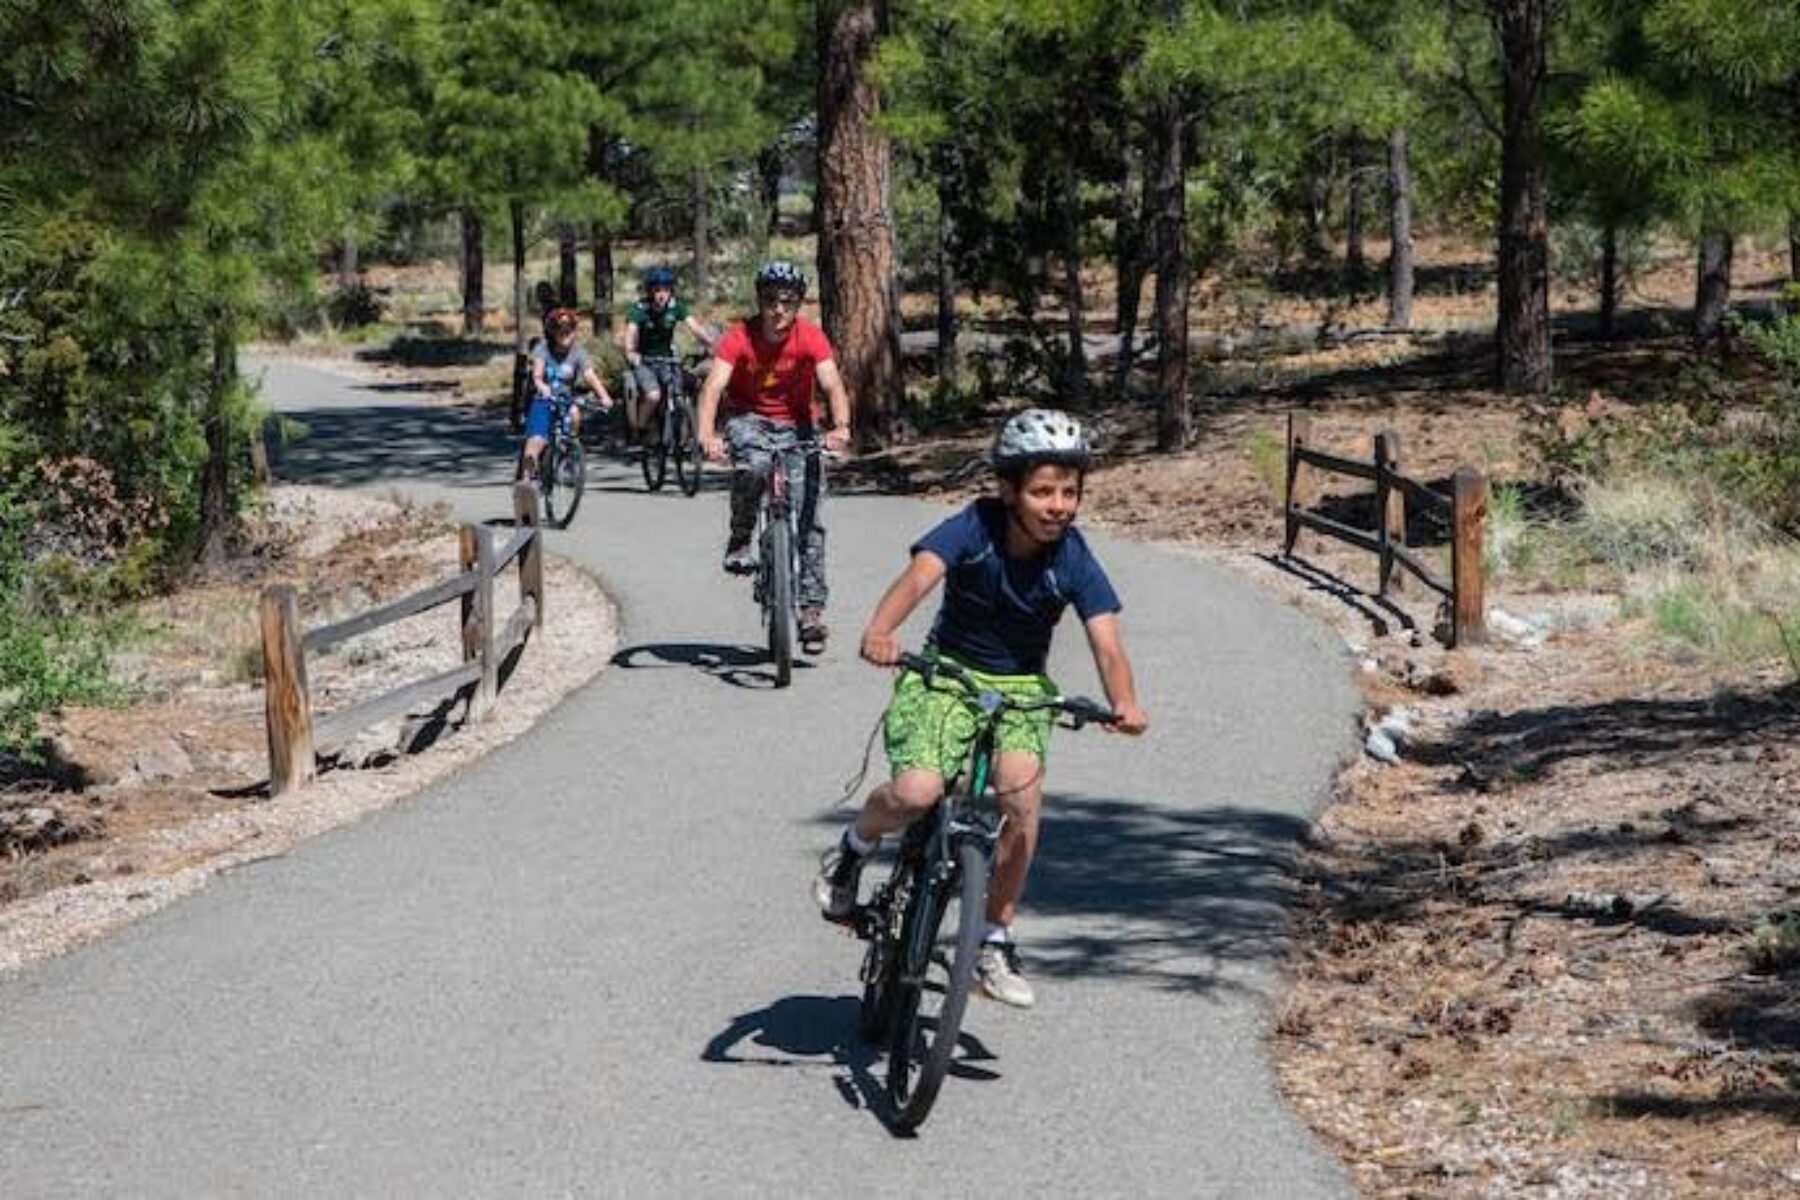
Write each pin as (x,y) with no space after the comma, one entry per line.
(1010,566)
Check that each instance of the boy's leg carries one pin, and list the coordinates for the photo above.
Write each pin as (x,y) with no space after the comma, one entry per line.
(1019,782)
(748,438)
(890,808)
(814,593)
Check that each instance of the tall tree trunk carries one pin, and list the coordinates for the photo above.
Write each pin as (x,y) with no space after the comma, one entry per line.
(1609,281)
(947,360)
(1074,385)
(349,269)
(702,236)
(857,286)
(521,345)
(568,287)
(600,239)
(1355,263)
(474,265)
(1794,247)
(1175,418)
(768,179)
(1400,252)
(1712,291)
(1523,331)
(1131,216)
(216,500)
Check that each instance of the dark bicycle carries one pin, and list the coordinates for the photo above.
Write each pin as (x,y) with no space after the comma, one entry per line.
(780,520)
(676,432)
(562,467)
(915,982)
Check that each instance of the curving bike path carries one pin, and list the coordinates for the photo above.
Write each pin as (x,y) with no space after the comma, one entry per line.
(588,966)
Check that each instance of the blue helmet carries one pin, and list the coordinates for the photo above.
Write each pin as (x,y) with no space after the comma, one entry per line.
(657,277)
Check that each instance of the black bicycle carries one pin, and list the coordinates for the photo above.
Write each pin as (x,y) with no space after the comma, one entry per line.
(780,518)
(562,467)
(924,923)
(676,432)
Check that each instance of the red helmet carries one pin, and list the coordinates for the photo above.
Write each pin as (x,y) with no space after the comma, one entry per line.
(560,320)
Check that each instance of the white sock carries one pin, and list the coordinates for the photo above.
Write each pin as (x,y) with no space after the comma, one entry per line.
(1000,935)
(859,847)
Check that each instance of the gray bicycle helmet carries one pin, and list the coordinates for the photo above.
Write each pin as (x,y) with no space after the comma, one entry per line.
(780,273)
(1037,436)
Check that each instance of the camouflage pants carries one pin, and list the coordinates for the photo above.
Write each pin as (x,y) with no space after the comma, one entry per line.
(754,441)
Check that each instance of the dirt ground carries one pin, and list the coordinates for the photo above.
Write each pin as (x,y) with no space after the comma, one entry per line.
(1527,957)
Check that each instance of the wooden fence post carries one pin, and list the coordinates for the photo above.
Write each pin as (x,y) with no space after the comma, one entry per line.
(288,707)
(1469,603)
(1390,507)
(485,692)
(531,558)
(468,555)
(1299,480)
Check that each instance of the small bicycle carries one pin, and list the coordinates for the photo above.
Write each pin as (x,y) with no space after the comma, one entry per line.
(677,434)
(779,521)
(562,468)
(916,984)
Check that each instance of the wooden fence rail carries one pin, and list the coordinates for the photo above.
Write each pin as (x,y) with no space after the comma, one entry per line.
(296,738)
(1465,510)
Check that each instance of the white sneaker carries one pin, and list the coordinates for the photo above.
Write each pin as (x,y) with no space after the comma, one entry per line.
(998,971)
(835,887)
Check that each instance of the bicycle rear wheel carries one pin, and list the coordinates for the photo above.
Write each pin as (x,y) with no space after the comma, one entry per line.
(686,450)
(778,599)
(565,481)
(933,984)
(880,970)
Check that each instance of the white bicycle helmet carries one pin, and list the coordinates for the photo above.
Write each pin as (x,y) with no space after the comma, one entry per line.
(1037,436)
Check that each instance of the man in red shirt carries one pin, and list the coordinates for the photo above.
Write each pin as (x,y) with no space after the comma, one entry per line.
(765,368)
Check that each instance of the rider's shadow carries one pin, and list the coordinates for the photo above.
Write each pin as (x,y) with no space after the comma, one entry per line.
(740,666)
(814,1031)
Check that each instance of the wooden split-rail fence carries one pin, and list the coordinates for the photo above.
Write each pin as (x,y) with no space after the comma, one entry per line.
(297,738)
(1464,511)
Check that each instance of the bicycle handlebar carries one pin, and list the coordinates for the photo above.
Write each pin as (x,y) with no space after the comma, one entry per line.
(1079,709)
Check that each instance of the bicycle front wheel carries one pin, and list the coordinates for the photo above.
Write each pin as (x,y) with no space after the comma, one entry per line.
(778,599)
(933,985)
(565,479)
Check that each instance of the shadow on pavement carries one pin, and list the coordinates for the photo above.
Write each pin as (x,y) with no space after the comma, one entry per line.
(730,664)
(1175,896)
(813,1031)
(346,447)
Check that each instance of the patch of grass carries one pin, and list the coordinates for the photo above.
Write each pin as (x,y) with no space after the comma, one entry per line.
(1641,522)
(1268,458)
(1774,944)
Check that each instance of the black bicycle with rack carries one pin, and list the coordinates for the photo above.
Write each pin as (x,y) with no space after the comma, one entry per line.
(674,431)
(925,922)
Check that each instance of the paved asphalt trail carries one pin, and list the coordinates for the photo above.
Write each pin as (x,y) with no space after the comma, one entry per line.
(588,965)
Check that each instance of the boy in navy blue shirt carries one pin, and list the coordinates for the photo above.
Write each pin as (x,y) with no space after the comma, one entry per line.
(1010,566)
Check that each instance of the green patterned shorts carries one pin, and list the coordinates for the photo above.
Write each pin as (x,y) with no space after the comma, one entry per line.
(933,728)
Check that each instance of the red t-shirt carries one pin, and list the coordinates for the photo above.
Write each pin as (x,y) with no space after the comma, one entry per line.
(773,379)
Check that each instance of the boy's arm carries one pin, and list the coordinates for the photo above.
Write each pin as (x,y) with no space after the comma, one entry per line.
(1107,641)
(699,330)
(837,401)
(879,645)
(631,336)
(708,413)
(598,386)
